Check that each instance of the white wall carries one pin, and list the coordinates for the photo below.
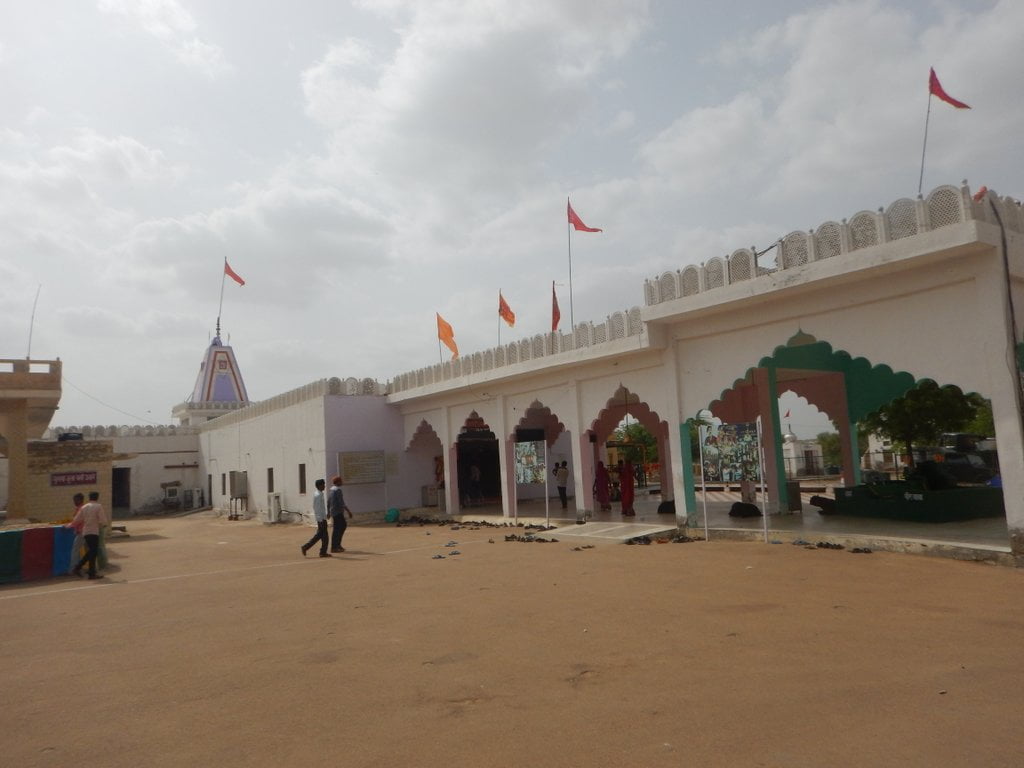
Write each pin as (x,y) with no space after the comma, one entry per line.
(157,459)
(368,423)
(281,439)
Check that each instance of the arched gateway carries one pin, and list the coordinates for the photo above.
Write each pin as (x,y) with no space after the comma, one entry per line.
(849,316)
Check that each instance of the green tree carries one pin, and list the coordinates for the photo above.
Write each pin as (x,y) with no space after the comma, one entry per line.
(983,423)
(632,437)
(923,414)
(832,448)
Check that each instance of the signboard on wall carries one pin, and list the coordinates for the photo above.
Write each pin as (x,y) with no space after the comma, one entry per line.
(361,467)
(72,478)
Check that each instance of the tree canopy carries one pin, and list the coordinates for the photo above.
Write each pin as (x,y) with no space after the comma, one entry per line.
(924,413)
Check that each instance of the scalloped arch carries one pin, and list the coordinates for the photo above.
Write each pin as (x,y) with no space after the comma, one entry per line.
(618,405)
(424,435)
(868,386)
(539,416)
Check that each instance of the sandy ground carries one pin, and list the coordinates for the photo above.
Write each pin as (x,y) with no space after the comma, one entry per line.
(215,643)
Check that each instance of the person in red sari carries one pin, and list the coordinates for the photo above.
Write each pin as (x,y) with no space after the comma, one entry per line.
(626,487)
(602,487)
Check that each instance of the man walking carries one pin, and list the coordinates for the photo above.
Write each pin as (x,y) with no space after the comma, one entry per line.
(92,517)
(336,509)
(320,513)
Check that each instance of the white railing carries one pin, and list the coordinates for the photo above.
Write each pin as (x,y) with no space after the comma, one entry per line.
(618,325)
(944,206)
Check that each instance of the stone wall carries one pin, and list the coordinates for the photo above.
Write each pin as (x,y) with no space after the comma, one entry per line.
(50,462)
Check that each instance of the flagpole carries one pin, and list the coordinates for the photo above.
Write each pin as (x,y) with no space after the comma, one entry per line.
(568,233)
(499,317)
(924,145)
(220,306)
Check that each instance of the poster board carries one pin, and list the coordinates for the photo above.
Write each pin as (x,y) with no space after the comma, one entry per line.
(361,467)
(531,468)
(730,453)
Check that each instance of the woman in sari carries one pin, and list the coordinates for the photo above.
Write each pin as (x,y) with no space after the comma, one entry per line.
(602,487)
(626,487)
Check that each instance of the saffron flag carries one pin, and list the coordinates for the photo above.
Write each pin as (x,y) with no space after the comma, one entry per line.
(505,311)
(447,336)
(935,89)
(980,194)
(555,314)
(577,222)
(787,415)
(232,274)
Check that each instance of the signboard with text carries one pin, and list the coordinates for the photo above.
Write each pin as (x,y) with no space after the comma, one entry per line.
(361,467)
(60,479)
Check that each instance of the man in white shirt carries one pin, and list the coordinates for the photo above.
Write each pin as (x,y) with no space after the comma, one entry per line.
(320,513)
(92,517)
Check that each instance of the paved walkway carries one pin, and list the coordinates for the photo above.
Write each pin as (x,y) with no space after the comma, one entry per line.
(987,535)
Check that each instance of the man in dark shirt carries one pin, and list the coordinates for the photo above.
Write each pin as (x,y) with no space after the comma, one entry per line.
(337,510)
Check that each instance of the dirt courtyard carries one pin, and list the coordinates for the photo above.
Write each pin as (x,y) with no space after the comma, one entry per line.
(215,643)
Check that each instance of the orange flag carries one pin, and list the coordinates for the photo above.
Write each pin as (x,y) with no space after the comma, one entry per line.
(935,89)
(577,222)
(447,335)
(505,311)
(232,274)
(555,314)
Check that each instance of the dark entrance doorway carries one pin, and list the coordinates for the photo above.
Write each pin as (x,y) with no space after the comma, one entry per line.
(477,447)
(121,491)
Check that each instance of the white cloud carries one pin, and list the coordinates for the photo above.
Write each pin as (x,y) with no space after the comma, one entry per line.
(390,158)
(174,26)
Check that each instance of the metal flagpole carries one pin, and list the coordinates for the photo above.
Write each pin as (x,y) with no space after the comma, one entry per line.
(220,306)
(760,457)
(32,322)
(547,499)
(515,490)
(703,481)
(568,233)
(924,145)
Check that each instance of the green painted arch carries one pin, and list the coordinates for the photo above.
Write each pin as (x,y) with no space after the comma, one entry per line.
(868,387)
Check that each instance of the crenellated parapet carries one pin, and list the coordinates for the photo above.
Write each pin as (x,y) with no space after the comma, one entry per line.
(124,430)
(320,388)
(944,206)
(618,325)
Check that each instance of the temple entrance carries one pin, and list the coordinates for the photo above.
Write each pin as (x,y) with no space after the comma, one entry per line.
(478,464)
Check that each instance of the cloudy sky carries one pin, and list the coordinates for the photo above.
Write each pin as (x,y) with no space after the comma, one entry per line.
(364,164)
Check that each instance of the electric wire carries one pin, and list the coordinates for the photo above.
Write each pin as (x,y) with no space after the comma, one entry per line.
(105,405)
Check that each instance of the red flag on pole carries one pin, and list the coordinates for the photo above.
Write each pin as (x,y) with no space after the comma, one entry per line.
(446,335)
(232,274)
(935,89)
(577,222)
(555,314)
(787,415)
(505,311)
